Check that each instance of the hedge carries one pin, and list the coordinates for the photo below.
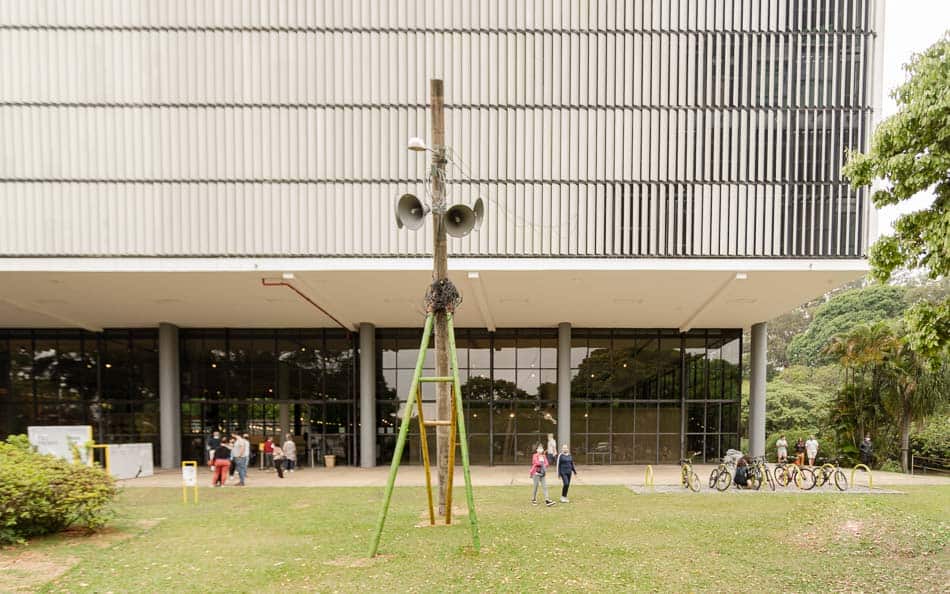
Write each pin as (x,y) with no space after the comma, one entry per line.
(42,494)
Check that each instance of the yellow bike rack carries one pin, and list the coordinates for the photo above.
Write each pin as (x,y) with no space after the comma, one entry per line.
(870,475)
(648,478)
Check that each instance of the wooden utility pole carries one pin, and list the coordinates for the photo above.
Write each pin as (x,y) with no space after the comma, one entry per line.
(440,270)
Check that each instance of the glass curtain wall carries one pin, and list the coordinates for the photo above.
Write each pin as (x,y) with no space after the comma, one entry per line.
(107,380)
(268,383)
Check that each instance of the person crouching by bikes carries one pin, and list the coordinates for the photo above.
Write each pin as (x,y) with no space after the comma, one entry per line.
(742,473)
(565,468)
(539,465)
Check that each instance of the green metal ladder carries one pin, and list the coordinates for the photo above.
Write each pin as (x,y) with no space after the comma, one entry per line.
(456,420)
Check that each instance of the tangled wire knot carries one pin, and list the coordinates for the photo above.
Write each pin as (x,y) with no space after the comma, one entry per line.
(442,296)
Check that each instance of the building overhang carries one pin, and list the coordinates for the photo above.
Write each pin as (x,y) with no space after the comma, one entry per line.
(95,293)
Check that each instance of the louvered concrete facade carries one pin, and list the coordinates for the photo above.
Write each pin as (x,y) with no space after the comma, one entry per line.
(658,174)
(712,128)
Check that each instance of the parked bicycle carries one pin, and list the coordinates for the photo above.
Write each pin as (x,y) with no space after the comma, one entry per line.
(801,476)
(688,478)
(760,474)
(721,476)
(831,471)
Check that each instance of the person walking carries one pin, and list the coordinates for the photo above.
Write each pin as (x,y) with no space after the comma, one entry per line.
(866,450)
(212,443)
(565,468)
(220,462)
(240,453)
(551,449)
(811,448)
(781,447)
(539,465)
(290,452)
(268,452)
(800,451)
(277,454)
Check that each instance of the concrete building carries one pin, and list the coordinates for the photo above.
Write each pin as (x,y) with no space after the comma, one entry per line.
(658,176)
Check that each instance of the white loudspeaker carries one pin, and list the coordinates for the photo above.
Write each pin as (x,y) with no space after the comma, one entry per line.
(410,212)
(459,220)
(479,209)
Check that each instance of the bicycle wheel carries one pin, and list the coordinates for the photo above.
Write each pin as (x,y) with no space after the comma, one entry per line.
(781,476)
(821,477)
(712,478)
(841,481)
(805,479)
(684,478)
(723,480)
(694,482)
(770,479)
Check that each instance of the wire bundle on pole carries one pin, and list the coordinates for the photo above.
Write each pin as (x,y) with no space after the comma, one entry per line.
(442,295)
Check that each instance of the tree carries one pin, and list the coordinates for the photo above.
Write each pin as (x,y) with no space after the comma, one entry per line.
(910,152)
(916,391)
(839,315)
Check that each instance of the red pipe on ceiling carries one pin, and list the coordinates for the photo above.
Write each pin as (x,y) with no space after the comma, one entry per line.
(272,283)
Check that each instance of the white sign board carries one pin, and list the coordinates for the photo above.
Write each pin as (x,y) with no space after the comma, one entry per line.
(59,440)
(189,476)
(130,460)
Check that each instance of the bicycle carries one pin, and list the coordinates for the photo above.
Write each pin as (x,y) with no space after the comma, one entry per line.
(688,478)
(721,476)
(759,474)
(801,476)
(828,471)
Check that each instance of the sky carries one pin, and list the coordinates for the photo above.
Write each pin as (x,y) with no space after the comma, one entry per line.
(910,27)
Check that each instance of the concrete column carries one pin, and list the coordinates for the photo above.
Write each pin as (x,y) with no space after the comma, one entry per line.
(169,396)
(367,395)
(757,390)
(564,384)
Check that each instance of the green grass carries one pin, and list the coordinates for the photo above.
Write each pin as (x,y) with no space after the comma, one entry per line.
(607,539)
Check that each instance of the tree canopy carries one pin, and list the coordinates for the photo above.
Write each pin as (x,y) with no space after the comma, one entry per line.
(839,315)
(910,152)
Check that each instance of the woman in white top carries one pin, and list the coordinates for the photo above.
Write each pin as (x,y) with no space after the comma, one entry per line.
(290,452)
(782,446)
(551,449)
(811,449)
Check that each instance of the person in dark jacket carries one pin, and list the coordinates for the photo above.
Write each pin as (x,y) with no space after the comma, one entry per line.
(565,468)
(220,463)
(866,450)
(742,473)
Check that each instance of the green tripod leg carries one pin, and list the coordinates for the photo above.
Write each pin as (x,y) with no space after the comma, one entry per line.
(463,437)
(403,432)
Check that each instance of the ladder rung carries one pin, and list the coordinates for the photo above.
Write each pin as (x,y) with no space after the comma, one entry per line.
(437,378)
(437,423)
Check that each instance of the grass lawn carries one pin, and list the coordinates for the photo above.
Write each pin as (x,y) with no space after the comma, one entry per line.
(606,539)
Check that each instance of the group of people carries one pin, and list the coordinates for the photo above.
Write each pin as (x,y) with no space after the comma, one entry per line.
(809,448)
(562,462)
(230,454)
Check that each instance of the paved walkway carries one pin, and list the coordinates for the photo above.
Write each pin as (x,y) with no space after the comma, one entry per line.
(484,476)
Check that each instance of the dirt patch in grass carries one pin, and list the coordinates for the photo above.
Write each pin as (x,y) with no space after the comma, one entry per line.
(29,569)
(459,515)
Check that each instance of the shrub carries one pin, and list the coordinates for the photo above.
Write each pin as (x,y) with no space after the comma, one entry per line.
(891,466)
(933,441)
(41,494)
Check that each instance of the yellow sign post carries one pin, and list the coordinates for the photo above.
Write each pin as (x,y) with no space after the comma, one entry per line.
(105,459)
(189,478)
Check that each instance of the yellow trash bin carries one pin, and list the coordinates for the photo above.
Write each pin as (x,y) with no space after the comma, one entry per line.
(329,460)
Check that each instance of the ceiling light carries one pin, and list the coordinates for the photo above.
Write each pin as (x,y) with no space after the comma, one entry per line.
(287,276)
(742,275)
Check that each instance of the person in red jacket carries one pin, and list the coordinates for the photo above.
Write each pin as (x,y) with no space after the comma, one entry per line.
(268,452)
(539,468)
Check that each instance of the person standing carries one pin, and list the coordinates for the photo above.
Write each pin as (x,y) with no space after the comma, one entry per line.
(213,442)
(539,465)
(220,462)
(268,452)
(800,451)
(781,447)
(565,468)
(551,449)
(277,454)
(240,453)
(811,448)
(290,452)
(866,450)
